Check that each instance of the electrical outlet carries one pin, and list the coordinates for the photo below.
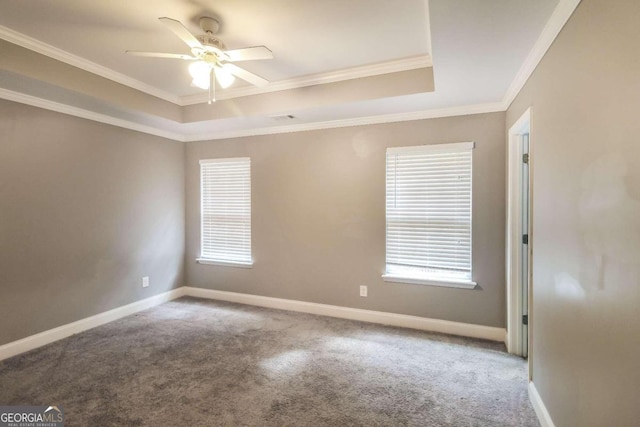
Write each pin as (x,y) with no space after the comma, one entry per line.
(145,281)
(363,291)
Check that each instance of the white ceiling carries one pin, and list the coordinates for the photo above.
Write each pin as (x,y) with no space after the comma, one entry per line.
(477,47)
(306,36)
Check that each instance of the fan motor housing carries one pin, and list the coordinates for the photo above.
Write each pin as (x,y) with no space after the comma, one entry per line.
(208,40)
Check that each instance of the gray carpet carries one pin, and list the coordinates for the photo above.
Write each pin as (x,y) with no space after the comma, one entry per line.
(195,362)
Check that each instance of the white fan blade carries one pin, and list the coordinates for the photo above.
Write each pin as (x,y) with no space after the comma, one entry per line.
(161,55)
(245,75)
(182,32)
(249,53)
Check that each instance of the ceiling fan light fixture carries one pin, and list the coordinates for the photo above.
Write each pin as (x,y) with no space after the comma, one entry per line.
(224,77)
(212,60)
(199,70)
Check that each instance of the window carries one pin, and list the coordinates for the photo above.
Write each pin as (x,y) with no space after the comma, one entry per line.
(225,204)
(429,214)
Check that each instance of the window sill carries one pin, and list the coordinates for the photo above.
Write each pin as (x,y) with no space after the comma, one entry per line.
(429,281)
(224,263)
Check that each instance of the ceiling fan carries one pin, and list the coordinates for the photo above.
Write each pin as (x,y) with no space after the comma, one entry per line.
(212,60)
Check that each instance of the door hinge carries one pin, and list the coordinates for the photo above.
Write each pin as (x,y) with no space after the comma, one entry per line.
(525,319)
(525,239)
(525,158)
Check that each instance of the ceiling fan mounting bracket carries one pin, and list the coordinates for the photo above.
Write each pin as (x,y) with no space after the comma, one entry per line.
(209,25)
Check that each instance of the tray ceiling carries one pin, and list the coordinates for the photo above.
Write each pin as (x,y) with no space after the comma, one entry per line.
(336,62)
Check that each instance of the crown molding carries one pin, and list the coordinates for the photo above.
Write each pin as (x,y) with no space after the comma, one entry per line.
(46,104)
(554,25)
(398,65)
(357,121)
(36,45)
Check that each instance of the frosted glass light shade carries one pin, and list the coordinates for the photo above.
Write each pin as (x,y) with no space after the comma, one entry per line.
(200,70)
(225,78)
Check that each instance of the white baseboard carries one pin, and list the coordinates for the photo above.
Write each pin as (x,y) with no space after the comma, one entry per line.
(538,406)
(413,322)
(38,340)
(401,320)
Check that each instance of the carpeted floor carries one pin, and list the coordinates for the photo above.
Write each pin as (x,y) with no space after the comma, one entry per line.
(195,362)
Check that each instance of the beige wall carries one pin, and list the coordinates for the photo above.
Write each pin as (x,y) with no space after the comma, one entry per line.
(585,98)
(86,210)
(318,218)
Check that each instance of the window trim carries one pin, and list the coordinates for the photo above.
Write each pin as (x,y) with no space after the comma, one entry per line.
(220,262)
(430,281)
(427,279)
(208,261)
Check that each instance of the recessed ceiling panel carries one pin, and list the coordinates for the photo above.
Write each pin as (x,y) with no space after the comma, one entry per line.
(306,36)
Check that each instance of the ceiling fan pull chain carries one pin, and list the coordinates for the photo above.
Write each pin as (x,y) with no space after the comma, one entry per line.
(212,87)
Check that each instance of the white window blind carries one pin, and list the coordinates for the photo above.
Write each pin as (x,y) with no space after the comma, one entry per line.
(428,209)
(226,210)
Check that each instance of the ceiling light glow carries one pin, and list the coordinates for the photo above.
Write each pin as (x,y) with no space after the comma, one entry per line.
(224,77)
(200,71)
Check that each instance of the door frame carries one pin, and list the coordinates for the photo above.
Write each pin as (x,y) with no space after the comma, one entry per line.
(514,232)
